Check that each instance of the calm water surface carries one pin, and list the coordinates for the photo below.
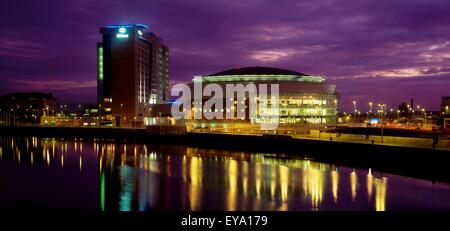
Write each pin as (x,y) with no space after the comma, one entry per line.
(39,174)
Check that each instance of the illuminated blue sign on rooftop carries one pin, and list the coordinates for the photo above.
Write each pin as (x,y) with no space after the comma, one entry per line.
(139,25)
(119,26)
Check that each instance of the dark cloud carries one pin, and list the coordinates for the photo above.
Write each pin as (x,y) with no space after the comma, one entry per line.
(368,48)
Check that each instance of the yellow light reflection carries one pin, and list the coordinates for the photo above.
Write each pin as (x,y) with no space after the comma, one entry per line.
(135,157)
(258,180)
(245,169)
(353,184)
(232,184)
(283,171)
(100,162)
(184,168)
(124,155)
(81,163)
(313,183)
(273,181)
(167,167)
(48,157)
(334,184)
(53,147)
(195,174)
(380,194)
(369,185)
(284,180)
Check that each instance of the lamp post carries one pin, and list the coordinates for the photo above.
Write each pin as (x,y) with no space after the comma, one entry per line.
(13,117)
(424,114)
(100,112)
(354,110)
(359,115)
(120,116)
(382,107)
(408,114)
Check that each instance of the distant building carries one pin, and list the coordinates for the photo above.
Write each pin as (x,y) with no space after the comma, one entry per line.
(26,107)
(445,105)
(133,72)
(70,114)
(403,109)
(445,111)
(90,110)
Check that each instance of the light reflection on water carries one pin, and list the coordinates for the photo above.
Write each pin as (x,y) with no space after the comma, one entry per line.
(127,176)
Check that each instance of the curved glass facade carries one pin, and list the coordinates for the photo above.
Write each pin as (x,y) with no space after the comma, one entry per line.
(306,108)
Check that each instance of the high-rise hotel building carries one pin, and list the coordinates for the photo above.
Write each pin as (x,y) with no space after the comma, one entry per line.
(133,73)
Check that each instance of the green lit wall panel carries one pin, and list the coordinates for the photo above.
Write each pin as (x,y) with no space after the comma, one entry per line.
(100,63)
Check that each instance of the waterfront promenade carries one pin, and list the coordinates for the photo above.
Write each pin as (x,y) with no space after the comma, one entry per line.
(360,135)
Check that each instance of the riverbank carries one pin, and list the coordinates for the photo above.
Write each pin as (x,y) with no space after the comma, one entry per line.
(426,163)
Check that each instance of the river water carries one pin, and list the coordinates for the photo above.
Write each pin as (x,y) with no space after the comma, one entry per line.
(49,174)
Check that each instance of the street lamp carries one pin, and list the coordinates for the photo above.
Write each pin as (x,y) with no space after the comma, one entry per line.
(382,107)
(424,114)
(121,105)
(13,117)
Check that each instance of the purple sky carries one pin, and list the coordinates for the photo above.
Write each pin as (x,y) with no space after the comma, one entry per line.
(384,51)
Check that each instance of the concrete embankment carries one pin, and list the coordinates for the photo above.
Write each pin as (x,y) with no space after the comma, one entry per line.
(411,161)
(411,141)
